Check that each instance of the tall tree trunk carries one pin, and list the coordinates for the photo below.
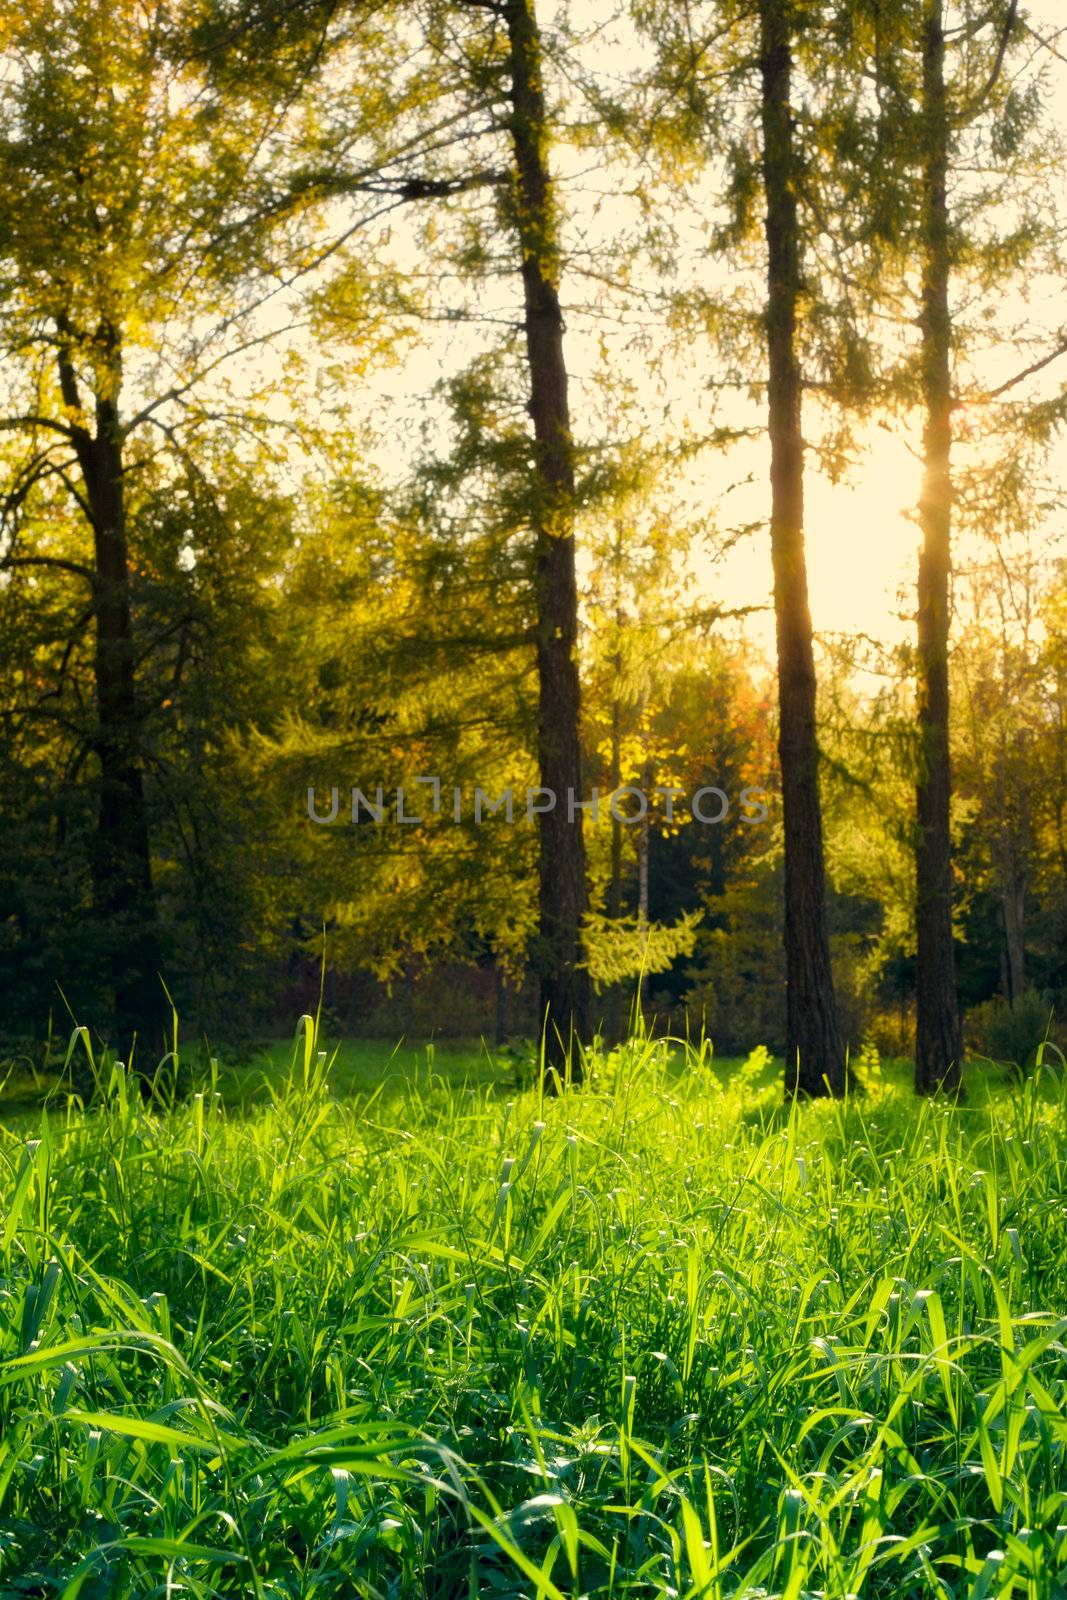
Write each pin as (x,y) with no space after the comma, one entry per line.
(565,988)
(615,1023)
(1013,904)
(502,1008)
(815,1061)
(937,1026)
(1015,941)
(1009,853)
(1018,839)
(644,840)
(123,896)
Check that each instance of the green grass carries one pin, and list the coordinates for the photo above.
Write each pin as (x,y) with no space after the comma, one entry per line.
(444,1338)
(387,1068)
(360,1066)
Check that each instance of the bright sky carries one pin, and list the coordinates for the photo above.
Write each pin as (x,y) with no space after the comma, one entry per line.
(862,539)
(861,547)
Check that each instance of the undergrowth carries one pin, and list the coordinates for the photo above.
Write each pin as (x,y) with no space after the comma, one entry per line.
(656,1337)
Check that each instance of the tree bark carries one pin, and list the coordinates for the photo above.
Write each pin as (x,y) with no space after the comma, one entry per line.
(1013,904)
(937,1025)
(123,895)
(815,1063)
(565,987)
(1008,850)
(502,1007)
(615,1023)
(1015,854)
(644,840)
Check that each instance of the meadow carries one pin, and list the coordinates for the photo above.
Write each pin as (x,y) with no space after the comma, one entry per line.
(403,1326)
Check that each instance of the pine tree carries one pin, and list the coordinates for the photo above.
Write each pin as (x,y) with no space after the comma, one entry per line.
(951,162)
(562,890)
(727,83)
(814,1055)
(142,234)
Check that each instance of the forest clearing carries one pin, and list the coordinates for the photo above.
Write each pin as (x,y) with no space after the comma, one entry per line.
(532,541)
(666,1338)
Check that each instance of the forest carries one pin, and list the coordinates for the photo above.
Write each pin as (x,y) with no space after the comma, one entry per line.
(298,490)
(532,553)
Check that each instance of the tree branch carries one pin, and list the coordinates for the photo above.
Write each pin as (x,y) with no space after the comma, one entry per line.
(7,562)
(1028,372)
(975,104)
(10,423)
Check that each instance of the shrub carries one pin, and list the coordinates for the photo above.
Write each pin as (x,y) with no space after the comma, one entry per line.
(892,1032)
(1010,1034)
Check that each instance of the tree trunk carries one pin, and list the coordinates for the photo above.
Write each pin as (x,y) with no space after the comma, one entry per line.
(502,1009)
(937,1026)
(123,896)
(565,989)
(1016,839)
(615,1021)
(644,839)
(815,1061)
(1013,904)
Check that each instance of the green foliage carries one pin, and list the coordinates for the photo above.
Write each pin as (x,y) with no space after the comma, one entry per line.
(735,987)
(180,186)
(1011,1034)
(136,263)
(624,947)
(662,1338)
